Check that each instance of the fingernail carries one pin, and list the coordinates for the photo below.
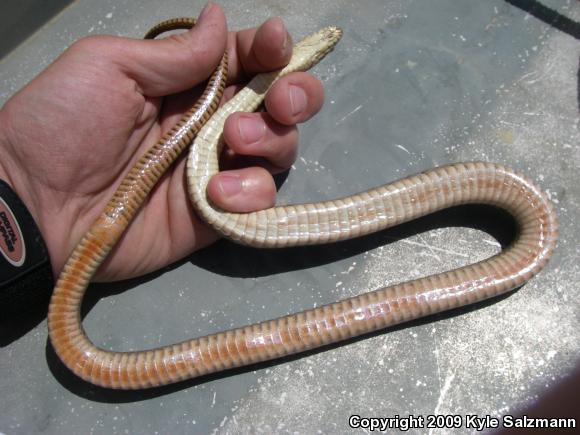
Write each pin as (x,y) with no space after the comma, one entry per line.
(287,44)
(208,7)
(298,100)
(251,129)
(230,184)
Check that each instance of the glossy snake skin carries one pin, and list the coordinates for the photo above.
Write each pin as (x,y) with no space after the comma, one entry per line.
(294,225)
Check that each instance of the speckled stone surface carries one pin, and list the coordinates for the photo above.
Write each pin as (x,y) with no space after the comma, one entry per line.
(413,84)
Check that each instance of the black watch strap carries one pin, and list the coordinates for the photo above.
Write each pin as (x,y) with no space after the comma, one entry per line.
(26,279)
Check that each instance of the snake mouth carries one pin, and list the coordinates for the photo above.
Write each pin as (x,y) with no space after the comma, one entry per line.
(331,35)
(333,32)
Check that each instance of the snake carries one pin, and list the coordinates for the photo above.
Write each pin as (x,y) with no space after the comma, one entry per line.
(374,210)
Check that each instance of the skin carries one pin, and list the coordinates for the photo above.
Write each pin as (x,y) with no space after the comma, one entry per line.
(70,135)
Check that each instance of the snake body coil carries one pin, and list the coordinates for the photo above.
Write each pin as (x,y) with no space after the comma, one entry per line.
(293,225)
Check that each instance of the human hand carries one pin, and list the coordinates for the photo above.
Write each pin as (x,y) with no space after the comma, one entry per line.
(70,136)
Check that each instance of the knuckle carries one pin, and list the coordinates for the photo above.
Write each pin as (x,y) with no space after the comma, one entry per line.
(189,53)
(93,43)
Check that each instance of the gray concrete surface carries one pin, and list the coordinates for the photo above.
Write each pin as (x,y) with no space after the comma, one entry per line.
(20,19)
(413,84)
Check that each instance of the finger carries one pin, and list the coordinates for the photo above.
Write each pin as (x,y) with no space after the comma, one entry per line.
(266,48)
(295,98)
(178,62)
(242,190)
(258,135)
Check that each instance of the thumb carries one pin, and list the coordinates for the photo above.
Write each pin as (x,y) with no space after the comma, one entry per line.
(178,62)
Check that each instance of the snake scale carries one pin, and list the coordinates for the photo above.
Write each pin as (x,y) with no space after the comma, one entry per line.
(293,225)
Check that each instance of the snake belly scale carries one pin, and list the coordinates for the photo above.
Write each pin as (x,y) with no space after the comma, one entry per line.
(293,225)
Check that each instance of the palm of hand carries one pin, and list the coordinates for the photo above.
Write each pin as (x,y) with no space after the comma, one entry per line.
(117,124)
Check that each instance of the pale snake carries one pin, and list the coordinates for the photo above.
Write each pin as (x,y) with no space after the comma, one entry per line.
(294,225)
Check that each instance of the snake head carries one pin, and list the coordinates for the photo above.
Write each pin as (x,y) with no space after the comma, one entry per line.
(312,49)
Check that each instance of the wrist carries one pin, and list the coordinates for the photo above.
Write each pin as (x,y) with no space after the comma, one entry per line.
(26,277)
(15,177)
(4,173)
